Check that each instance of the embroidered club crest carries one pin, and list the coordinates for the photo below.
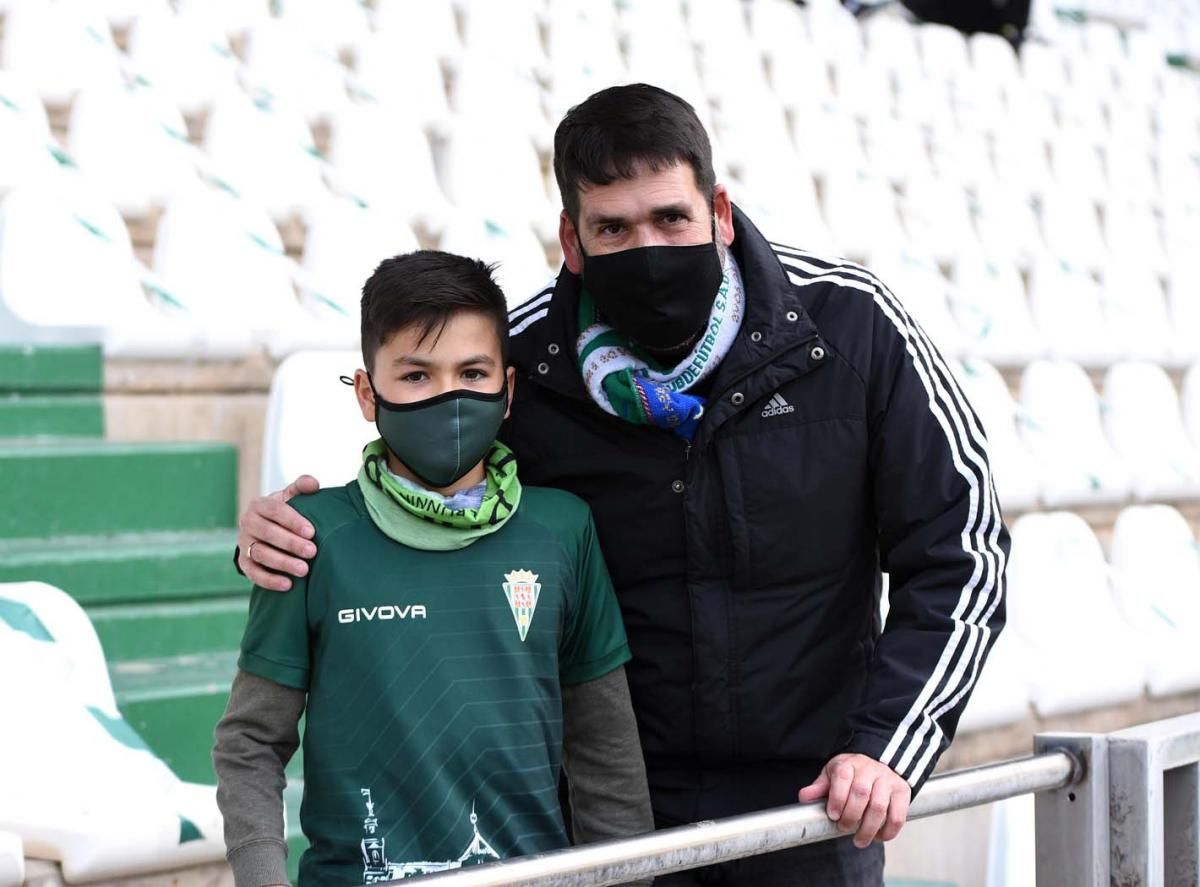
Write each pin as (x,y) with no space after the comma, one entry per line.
(522,590)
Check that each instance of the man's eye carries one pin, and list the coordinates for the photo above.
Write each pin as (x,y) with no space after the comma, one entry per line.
(610,230)
(674,219)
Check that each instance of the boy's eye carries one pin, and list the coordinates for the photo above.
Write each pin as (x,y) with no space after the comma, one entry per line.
(414,376)
(474,375)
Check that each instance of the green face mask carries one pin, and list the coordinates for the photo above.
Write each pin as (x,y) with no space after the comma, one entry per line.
(441,438)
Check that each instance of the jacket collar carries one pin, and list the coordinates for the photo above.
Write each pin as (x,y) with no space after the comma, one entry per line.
(775,321)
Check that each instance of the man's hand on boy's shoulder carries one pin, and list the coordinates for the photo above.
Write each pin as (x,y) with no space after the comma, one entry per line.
(274,539)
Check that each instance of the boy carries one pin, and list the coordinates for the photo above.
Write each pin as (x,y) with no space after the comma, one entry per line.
(455,640)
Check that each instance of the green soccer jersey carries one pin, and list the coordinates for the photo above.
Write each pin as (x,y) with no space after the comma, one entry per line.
(433,730)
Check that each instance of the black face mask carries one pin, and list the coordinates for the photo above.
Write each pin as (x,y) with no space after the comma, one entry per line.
(658,296)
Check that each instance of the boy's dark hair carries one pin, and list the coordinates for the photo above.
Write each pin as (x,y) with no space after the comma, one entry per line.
(603,138)
(424,289)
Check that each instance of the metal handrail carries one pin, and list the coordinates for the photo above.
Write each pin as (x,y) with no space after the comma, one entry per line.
(705,843)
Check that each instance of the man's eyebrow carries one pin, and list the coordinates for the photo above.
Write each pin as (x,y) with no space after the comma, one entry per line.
(605,220)
(672,209)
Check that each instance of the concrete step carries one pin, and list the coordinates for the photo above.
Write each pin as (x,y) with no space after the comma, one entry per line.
(44,415)
(156,567)
(152,631)
(51,368)
(68,487)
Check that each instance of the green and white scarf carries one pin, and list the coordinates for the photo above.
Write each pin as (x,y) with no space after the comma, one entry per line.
(422,520)
(622,381)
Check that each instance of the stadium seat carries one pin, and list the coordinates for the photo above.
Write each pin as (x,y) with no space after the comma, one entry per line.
(1191,403)
(1081,112)
(830,144)
(402,71)
(896,149)
(584,54)
(1135,312)
(979,104)
(131,142)
(937,216)
(867,91)
(223,258)
(1183,299)
(892,43)
(963,157)
(12,860)
(801,81)
(1132,231)
(522,269)
(111,808)
(784,199)
(1065,302)
(26,146)
(1060,423)
(927,102)
(1001,694)
(1145,427)
(59,46)
(228,17)
(1014,470)
(68,274)
(1071,226)
(500,94)
(860,209)
(477,152)
(307,383)
(1021,157)
(428,27)
(185,54)
(834,32)
(993,57)
(330,25)
(925,293)
(1006,222)
(344,243)
(1044,67)
(943,51)
(289,63)
(508,33)
(990,306)
(1077,165)
(264,150)
(1061,605)
(385,160)
(1181,227)
(1156,572)
(779,28)
(1011,844)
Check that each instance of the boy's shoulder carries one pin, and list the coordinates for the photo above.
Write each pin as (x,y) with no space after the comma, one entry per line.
(563,512)
(331,508)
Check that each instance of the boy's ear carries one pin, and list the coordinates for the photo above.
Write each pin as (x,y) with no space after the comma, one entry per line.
(364,394)
(511,374)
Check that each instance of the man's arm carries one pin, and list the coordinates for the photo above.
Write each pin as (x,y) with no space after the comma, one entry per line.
(606,773)
(945,547)
(274,539)
(255,739)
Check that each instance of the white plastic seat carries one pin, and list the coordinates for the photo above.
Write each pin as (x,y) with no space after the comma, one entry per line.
(665,58)
(1044,67)
(1059,421)
(1022,162)
(1014,470)
(25,141)
(59,46)
(1156,571)
(475,154)
(1077,165)
(1066,306)
(829,142)
(1181,228)
(925,293)
(1135,311)
(1006,223)
(131,141)
(332,25)
(111,809)
(834,31)
(992,309)
(1131,229)
(927,102)
(402,71)
(343,245)
(298,71)
(1183,299)
(265,151)
(778,27)
(186,55)
(506,95)
(802,83)
(718,22)
(937,216)
(584,54)
(1061,605)
(893,43)
(1001,694)
(860,210)
(521,260)
(943,51)
(508,32)
(224,259)
(979,103)
(1071,227)
(429,27)
(1191,403)
(1081,111)
(864,90)
(1144,424)
(229,17)
(68,274)
(306,384)
(896,149)
(386,160)
(993,56)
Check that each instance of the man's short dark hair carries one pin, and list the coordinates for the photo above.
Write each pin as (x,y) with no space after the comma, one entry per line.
(424,289)
(606,136)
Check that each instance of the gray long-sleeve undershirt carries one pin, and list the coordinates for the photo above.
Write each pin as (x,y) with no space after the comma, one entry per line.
(259,733)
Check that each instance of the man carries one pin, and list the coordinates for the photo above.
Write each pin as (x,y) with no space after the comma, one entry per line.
(759,431)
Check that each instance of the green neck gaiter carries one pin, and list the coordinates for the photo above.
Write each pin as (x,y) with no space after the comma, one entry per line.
(421,521)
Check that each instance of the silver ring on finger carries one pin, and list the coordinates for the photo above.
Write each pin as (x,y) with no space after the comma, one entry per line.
(250,552)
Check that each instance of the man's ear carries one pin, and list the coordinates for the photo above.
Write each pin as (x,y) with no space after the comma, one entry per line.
(511,375)
(568,239)
(364,394)
(723,214)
